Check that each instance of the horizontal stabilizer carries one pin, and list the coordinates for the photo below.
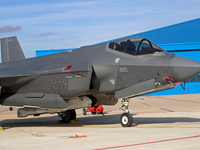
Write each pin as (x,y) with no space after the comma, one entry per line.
(11,49)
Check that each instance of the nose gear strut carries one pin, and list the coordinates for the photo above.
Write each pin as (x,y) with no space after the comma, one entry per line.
(125,103)
(126,118)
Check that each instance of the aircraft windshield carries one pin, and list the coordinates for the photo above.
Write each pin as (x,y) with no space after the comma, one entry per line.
(135,46)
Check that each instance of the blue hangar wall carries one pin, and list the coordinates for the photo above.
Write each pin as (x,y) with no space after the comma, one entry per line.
(182,39)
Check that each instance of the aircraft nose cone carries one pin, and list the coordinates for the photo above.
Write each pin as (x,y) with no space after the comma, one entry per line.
(185,68)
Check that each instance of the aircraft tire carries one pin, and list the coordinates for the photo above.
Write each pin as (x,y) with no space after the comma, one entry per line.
(126,120)
(68,115)
(65,116)
(72,114)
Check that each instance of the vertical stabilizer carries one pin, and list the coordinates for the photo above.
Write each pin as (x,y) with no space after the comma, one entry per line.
(11,49)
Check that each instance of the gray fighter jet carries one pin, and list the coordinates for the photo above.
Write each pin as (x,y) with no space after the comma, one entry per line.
(96,74)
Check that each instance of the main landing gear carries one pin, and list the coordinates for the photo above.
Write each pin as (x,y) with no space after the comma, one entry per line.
(68,115)
(126,118)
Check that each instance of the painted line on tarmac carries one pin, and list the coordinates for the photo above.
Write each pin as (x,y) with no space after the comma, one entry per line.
(141,126)
(166,127)
(153,142)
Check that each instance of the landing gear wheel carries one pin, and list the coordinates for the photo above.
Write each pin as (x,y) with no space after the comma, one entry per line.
(72,114)
(84,111)
(65,116)
(126,120)
(68,115)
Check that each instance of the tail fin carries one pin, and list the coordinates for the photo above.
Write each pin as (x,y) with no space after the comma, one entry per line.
(11,49)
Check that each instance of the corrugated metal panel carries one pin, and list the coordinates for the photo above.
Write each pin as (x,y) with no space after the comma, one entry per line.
(189,54)
(180,46)
(47,52)
(185,32)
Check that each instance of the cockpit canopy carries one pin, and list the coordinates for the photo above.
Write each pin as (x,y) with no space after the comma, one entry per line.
(135,46)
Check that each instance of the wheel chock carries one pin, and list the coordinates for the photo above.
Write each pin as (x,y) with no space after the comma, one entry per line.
(1,128)
(60,121)
(74,121)
(71,121)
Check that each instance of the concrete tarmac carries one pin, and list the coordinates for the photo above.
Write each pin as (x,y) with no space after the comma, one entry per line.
(160,122)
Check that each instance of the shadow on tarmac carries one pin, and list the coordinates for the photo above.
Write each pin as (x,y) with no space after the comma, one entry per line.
(89,120)
(156,120)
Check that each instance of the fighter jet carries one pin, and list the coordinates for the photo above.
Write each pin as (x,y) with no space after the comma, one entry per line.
(96,74)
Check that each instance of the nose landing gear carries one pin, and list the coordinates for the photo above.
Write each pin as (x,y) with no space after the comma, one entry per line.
(126,118)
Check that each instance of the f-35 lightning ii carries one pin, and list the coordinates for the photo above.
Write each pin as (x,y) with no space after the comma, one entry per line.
(97,74)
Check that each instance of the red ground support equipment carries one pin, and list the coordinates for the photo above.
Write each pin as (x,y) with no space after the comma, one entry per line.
(96,109)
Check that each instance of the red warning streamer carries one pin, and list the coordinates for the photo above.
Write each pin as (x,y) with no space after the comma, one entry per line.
(176,83)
